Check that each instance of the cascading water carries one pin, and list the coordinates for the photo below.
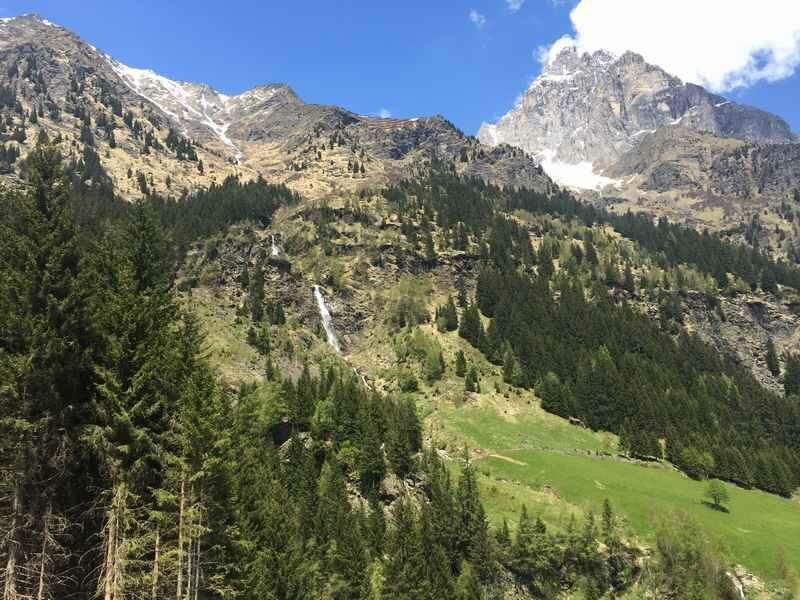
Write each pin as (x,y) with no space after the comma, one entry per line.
(327,323)
(275,251)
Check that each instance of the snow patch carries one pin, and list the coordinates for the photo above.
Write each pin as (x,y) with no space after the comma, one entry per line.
(158,89)
(642,132)
(579,175)
(722,103)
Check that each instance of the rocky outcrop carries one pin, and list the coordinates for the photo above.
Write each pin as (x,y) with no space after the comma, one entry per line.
(755,170)
(740,328)
(595,108)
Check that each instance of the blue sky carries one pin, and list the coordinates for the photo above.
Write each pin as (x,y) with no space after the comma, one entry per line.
(410,58)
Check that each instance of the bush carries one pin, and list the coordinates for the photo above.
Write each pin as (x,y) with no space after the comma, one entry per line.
(408,383)
(407,303)
(688,565)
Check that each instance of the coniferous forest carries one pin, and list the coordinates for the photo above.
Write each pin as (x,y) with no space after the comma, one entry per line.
(129,471)
(593,358)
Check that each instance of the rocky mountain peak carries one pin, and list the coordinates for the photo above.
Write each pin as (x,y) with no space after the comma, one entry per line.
(586,110)
(570,61)
(141,131)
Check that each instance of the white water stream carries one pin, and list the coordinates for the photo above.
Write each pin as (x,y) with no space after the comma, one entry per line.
(327,323)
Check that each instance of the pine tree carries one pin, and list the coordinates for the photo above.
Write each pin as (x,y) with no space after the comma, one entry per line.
(405,564)
(371,464)
(768,281)
(772,358)
(375,524)
(474,541)
(461,291)
(47,367)
(791,376)
(256,295)
(447,316)
(471,328)
(512,372)
(278,317)
(468,586)
(628,282)
(461,364)
(471,381)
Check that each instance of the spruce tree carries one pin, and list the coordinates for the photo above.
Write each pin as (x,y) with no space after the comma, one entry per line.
(468,586)
(405,564)
(471,381)
(791,376)
(461,364)
(256,296)
(772,358)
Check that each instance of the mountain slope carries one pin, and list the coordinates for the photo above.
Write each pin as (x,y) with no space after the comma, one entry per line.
(631,136)
(140,122)
(596,107)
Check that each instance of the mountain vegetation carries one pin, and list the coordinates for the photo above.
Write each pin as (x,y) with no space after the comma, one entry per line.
(325,355)
(278,490)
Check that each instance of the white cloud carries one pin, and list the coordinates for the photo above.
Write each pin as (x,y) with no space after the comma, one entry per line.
(385,113)
(546,54)
(721,44)
(477,18)
(514,5)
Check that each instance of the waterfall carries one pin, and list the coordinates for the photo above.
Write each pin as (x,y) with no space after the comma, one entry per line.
(737,584)
(327,323)
(275,251)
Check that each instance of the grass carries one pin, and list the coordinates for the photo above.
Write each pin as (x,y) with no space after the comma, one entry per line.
(754,530)
(527,456)
(526,428)
(226,341)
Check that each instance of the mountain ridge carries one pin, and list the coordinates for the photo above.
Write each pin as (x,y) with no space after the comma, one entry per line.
(135,119)
(596,107)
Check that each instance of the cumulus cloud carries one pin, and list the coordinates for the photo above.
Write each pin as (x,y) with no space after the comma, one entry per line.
(546,54)
(477,18)
(514,5)
(385,113)
(721,44)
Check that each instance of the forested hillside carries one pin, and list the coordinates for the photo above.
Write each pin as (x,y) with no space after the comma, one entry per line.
(132,469)
(601,360)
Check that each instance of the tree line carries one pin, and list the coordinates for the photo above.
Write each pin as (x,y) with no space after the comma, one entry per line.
(596,359)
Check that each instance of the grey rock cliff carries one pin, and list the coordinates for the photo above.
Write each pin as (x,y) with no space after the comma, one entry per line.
(596,107)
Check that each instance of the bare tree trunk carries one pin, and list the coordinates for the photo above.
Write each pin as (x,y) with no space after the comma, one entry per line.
(190,545)
(113,565)
(43,559)
(10,588)
(179,591)
(155,564)
(111,541)
(197,557)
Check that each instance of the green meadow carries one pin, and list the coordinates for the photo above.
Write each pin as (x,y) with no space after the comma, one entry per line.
(756,528)
(527,456)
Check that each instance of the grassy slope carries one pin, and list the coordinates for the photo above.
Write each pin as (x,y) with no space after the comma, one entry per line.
(756,527)
(526,455)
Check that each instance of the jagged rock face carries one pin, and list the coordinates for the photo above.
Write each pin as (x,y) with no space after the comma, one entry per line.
(596,107)
(676,159)
(740,328)
(266,131)
(752,171)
